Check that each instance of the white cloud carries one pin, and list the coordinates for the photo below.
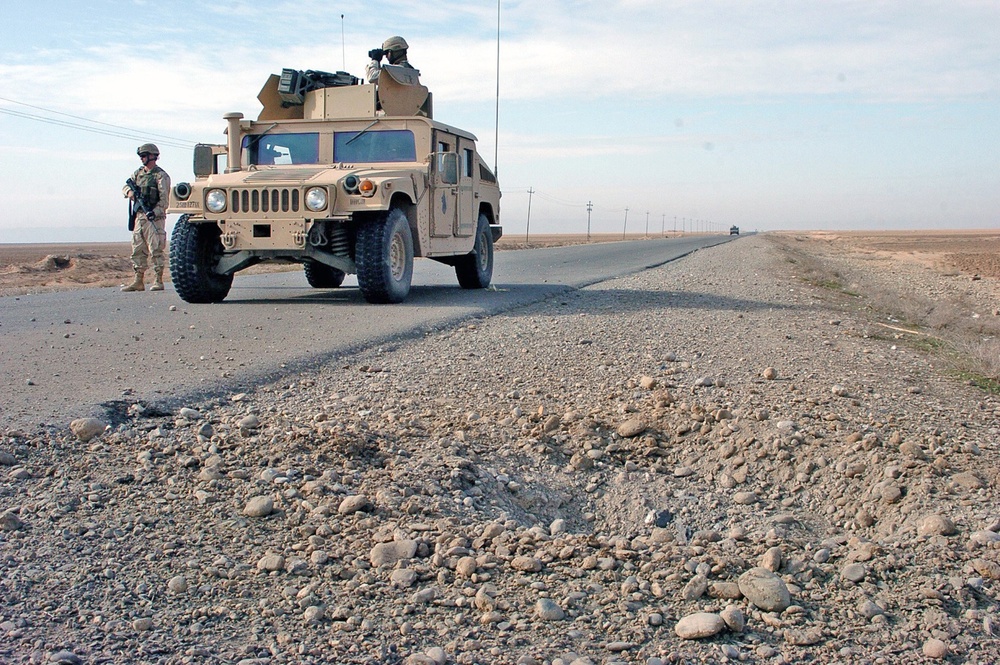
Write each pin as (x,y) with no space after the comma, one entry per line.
(648,49)
(580,80)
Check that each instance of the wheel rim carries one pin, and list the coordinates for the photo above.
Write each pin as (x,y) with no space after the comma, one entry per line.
(397,256)
(483,259)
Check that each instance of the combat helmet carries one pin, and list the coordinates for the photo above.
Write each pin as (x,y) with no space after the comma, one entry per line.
(395,43)
(148,147)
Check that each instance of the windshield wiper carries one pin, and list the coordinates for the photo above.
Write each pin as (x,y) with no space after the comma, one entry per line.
(358,135)
(254,139)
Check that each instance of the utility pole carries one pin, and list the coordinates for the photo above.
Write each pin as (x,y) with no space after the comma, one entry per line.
(647,224)
(663,225)
(590,206)
(527,226)
(496,115)
(675,223)
(625,225)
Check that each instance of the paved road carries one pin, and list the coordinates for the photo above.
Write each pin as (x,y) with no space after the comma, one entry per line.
(90,352)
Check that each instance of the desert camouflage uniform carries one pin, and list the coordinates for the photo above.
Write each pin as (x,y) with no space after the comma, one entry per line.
(149,239)
(374,68)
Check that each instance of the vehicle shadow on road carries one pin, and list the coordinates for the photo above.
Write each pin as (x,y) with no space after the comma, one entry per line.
(598,301)
(272,295)
(490,299)
(510,297)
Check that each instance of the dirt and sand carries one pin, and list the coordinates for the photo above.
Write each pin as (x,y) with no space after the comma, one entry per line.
(39,268)
(752,454)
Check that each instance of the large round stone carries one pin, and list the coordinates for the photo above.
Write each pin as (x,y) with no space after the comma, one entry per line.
(387,554)
(764,589)
(699,625)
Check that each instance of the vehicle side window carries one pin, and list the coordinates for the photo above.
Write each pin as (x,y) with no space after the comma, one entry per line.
(448,167)
(468,160)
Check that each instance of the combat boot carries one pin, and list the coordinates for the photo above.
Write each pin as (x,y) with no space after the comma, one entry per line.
(157,281)
(137,283)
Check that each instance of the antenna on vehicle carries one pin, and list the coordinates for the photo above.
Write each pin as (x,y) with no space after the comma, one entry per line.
(343,47)
(496,129)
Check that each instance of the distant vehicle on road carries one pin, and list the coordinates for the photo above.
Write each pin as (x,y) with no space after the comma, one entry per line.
(734,230)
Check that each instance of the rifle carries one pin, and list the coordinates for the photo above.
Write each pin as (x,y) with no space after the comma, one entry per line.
(138,203)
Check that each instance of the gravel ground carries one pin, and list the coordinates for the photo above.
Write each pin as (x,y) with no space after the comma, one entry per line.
(711,461)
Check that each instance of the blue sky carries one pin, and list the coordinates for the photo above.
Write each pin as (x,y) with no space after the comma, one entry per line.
(768,115)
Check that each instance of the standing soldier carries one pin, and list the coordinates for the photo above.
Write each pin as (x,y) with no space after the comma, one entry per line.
(149,238)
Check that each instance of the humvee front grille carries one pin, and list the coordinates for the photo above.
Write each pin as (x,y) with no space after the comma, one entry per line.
(264,200)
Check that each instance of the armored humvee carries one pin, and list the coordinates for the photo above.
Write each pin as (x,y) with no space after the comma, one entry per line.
(342,177)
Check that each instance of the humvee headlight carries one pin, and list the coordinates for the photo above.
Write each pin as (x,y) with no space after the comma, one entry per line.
(182,191)
(316,198)
(351,184)
(215,200)
(367,188)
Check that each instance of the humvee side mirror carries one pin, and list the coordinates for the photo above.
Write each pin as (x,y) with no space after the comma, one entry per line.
(204,160)
(447,167)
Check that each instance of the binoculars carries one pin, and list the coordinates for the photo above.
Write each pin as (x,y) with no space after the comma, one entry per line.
(376,54)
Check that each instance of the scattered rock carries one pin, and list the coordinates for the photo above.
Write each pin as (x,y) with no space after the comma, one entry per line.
(9,521)
(935,648)
(141,625)
(547,610)
(271,563)
(259,506)
(631,428)
(804,638)
(526,564)
(854,572)
(354,503)
(177,584)
(764,589)
(699,625)
(86,429)
(733,616)
(388,554)
(936,525)
(65,658)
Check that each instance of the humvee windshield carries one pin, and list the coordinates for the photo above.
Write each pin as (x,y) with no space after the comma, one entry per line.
(394,145)
(281,149)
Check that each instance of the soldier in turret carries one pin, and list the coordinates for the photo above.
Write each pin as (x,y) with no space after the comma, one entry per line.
(394,50)
(149,237)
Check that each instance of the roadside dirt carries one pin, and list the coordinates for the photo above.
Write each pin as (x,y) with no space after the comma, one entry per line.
(40,268)
(949,252)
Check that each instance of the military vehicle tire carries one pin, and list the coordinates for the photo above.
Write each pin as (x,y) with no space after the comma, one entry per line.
(384,256)
(195,250)
(475,270)
(321,276)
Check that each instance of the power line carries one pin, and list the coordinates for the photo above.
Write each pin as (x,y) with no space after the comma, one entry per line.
(94,130)
(133,134)
(563,202)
